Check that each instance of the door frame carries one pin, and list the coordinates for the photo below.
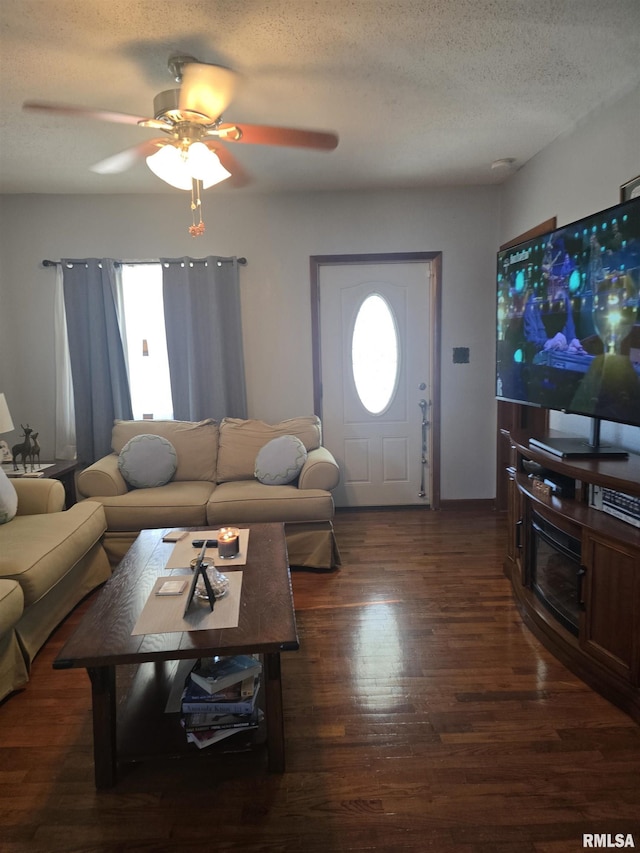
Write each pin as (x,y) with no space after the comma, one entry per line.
(316,262)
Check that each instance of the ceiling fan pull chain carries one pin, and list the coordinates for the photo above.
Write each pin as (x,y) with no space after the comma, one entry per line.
(197,229)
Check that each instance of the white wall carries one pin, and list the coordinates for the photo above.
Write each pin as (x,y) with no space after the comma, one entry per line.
(576,175)
(277,234)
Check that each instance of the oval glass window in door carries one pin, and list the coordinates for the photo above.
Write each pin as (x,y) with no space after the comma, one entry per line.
(375,353)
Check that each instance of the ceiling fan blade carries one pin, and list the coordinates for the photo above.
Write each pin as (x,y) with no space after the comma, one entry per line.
(129,157)
(260,134)
(83,112)
(239,177)
(206,89)
(156,124)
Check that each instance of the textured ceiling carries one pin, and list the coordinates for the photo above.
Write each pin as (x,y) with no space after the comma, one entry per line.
(421,94)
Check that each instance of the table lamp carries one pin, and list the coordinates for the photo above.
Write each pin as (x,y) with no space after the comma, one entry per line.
(6,425)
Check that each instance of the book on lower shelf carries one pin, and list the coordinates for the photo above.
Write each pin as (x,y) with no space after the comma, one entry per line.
(208,737)
(209,716)
(239,698)
(214,674)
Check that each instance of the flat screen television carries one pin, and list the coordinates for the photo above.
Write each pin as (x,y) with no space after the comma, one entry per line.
(568,324)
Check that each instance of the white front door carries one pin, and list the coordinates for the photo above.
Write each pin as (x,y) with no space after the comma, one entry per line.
(375,342)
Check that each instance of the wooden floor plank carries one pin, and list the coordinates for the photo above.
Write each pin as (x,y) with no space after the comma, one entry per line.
(420,715)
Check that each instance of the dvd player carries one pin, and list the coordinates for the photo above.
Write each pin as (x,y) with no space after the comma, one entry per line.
(576,448)
(620,505)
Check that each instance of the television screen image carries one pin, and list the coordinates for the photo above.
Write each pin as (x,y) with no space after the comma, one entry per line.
(568,325)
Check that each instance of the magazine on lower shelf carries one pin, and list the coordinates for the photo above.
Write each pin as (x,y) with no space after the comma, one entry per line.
(208,738)
(215,722)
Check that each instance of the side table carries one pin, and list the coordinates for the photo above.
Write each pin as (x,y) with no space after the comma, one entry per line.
(63,470)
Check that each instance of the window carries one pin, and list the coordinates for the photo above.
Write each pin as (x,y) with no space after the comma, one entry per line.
(375,354)
(145,342)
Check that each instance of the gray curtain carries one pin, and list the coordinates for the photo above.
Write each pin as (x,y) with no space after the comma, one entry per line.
(98,368)
(204,337)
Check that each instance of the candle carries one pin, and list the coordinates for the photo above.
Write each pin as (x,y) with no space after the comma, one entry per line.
(228,542)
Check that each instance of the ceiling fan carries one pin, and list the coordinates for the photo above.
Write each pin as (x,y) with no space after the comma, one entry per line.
(189,156)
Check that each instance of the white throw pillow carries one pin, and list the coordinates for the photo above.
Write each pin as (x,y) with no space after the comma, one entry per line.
(147,461)
(8,498)
(280,460)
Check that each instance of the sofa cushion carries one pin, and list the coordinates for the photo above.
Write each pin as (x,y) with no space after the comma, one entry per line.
(147,461)
(39,550)
(8,499)
(195,443)
(280,460)
(181,504)
(246,501)
(241,441)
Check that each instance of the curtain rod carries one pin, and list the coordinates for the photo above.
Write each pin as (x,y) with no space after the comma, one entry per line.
(241,261)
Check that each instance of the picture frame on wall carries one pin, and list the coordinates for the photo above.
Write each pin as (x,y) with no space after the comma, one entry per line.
(631,189)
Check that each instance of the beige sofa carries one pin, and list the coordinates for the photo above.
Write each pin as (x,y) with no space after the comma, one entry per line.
(50,558)
(214,484)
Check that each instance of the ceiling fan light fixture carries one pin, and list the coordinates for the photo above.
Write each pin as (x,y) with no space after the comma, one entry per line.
(204,165)
(168,164)
(194,168)
(178,169)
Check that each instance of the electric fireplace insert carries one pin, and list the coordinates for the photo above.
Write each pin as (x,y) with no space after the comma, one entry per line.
(556,571)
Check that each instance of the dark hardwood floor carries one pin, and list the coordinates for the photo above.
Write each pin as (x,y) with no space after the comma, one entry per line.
(421,715)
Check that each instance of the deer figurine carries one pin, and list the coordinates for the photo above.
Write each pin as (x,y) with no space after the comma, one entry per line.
(23,450)
(35,449)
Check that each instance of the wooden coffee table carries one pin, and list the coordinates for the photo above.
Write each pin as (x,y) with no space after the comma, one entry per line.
(129,722)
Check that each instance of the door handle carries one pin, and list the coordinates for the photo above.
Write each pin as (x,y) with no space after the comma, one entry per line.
(518,527)
(579,580)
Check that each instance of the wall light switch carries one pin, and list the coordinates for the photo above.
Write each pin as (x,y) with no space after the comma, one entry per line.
(461,355)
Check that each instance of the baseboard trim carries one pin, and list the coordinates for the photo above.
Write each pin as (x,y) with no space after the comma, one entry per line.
(473,504)
(457,505)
